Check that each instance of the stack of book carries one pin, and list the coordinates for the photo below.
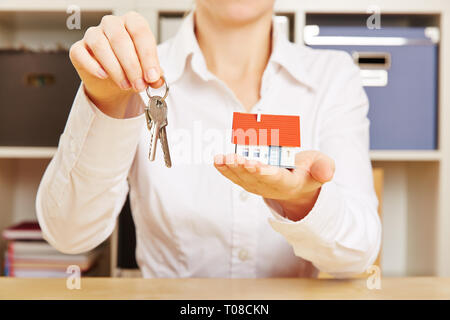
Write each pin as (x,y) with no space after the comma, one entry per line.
(29,255)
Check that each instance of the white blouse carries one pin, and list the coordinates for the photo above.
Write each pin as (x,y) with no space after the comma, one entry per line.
(190,220)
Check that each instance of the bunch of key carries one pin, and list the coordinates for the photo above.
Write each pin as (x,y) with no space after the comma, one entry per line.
(156,116)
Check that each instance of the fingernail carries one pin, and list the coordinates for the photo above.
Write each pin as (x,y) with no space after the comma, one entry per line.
(152,75)
(250,168)
(250,165)
(218,160)
(139,85)
(102,74)
(233,163)
(229,160)
(125,84)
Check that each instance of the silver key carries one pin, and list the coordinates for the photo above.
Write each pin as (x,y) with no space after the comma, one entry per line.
(165,146)
(157,112)
(147,118)
(156,118)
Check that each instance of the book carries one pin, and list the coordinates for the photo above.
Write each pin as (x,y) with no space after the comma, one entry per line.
(52,261)
(29,255)
(40,274)
(24,230)
(34,247)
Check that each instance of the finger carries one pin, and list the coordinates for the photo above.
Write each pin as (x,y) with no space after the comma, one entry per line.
(83,61)
(219,160)
(251,176)
(270,181)
(318,165)
(237,165)
(158,83)
(267,170)
(98,44)
(253,172)
(251,166)
(145,45)
(322,170)
(226,172)
(123,48)
(281,177)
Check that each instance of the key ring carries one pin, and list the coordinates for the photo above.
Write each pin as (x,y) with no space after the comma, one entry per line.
(165,93)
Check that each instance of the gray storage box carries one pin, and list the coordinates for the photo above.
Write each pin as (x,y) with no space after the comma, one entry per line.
(399,71)
(36,93)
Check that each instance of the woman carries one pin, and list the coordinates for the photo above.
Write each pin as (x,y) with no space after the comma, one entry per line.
(227,219)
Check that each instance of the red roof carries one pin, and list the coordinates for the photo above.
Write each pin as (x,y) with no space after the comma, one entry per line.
(272,130)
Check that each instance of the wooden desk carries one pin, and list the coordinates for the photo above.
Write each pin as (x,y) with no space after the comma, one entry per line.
(116,288)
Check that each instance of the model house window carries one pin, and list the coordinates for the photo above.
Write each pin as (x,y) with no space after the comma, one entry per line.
(274,155)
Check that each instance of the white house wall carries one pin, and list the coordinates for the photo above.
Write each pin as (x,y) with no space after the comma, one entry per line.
(259,153)
(273,155)
(242,150)
(287,157)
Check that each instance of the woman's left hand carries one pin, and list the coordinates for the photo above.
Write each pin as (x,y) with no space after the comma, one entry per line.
(295,190)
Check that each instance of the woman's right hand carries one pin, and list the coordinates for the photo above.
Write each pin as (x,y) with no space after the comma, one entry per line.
(115,60)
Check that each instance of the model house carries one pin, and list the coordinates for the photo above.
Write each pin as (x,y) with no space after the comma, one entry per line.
(270,139)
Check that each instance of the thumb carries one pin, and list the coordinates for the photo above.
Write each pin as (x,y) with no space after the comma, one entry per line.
(322,169)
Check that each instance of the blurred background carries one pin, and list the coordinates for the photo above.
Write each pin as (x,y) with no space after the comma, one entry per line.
(402,48)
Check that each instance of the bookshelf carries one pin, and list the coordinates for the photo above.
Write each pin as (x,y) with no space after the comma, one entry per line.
(416,208)
(404,155)
(27,152)
(375,155)
(38,25)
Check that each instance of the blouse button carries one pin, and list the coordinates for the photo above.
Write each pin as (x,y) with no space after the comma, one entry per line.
(243,196)
(243,254)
